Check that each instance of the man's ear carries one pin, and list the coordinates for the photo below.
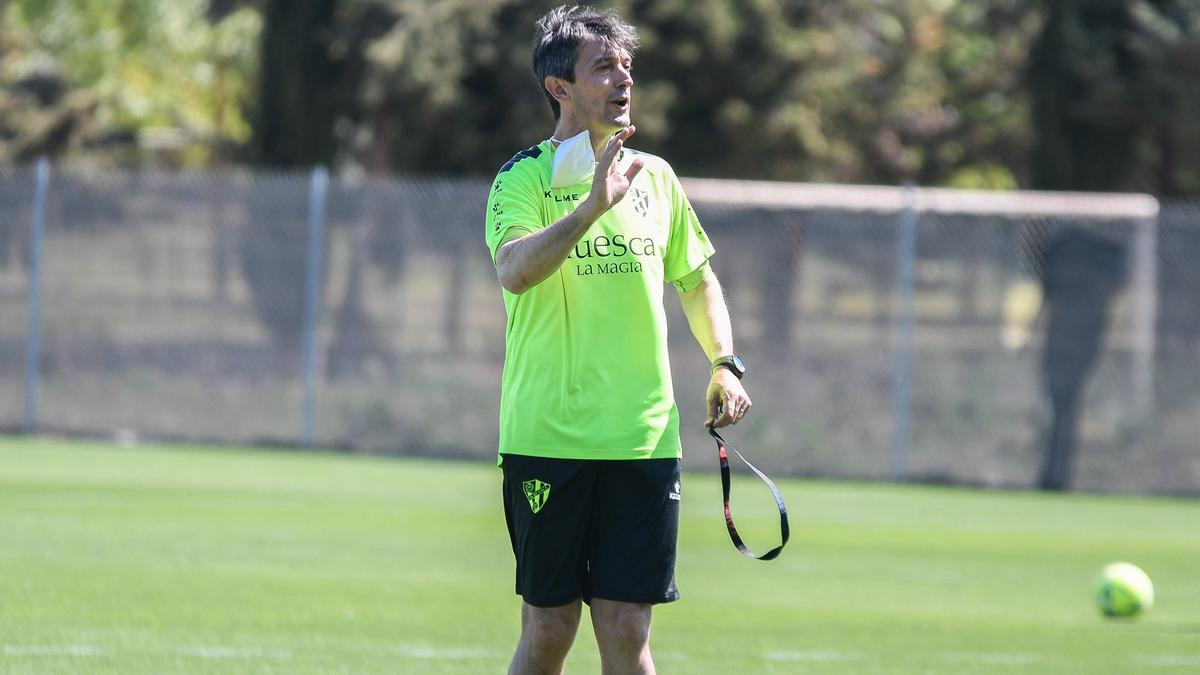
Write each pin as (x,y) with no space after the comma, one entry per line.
(557,88)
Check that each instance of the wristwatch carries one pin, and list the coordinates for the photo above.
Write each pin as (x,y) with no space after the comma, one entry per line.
(733,362)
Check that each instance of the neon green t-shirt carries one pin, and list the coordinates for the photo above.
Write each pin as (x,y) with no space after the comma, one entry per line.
(586,372)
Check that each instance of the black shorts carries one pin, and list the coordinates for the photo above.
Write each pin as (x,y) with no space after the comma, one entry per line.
(592,528)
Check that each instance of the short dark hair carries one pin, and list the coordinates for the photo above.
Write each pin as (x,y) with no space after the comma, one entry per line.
(559,34)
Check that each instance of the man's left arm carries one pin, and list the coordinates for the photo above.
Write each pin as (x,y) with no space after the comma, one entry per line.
(704,305)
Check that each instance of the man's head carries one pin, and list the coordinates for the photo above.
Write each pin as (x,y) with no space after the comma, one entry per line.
(582,59)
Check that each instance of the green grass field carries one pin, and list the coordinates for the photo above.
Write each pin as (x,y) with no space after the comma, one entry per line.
(204,560)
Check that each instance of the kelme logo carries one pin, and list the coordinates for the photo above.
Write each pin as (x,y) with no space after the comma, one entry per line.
(537,493)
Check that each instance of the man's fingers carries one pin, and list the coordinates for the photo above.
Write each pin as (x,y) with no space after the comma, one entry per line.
(733,411)
(614,146)
(634,169)
(714,410)
(736,408)
(722,413)
(609,155)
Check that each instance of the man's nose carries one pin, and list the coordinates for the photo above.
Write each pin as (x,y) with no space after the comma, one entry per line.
(624,76)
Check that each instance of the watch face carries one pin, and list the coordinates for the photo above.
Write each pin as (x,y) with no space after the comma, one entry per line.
(733,363)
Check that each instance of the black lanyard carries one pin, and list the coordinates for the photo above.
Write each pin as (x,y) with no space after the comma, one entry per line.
(733,533)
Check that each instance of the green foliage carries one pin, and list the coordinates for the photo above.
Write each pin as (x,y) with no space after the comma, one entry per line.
(156,68)
(860,91)
(450,86)
(883,91)
(852,91)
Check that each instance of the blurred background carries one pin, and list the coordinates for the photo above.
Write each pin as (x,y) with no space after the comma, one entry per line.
(262,222)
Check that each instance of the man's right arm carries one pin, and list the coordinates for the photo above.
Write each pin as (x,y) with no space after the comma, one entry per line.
(525,262)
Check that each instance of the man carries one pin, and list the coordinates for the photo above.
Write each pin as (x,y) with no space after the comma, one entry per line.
(589,430)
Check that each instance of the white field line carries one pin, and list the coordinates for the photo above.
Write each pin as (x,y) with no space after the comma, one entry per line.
(51,650)
(814,656)
(1169,660)
(428,652)
(237,653)
(991,658)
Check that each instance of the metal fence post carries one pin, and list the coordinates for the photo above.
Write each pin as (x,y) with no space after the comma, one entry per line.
(34,328)
(317,192)
(906,253)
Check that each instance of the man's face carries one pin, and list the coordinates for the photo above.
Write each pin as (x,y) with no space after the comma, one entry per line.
(602,87)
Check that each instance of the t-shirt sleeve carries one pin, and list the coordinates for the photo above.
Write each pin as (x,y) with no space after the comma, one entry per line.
(688,247)
(513,210)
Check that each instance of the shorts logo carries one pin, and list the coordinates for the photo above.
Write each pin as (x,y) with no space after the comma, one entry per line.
(537,493)
(674,493)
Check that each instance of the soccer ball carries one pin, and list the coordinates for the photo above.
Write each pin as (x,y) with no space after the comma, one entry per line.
(1124,590)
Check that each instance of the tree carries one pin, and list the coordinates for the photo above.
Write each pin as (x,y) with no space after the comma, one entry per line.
(1116,105)
(296,106)
(1167,44)
(858,91)
(1082,76)
(123,67)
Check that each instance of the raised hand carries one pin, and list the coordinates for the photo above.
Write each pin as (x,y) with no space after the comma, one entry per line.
(610,184)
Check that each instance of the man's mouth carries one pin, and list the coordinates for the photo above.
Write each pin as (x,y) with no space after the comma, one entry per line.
(621,102)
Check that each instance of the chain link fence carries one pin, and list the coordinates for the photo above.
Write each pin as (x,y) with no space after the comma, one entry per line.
(890,333)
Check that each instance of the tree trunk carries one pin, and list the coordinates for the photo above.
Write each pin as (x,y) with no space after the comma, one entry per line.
(297,98)
(1085,115)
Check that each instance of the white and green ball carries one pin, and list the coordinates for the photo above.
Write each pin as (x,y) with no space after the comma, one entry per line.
(1124,590)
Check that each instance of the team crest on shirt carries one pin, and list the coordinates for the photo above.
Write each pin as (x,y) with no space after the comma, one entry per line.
(641,201)
(537,492)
